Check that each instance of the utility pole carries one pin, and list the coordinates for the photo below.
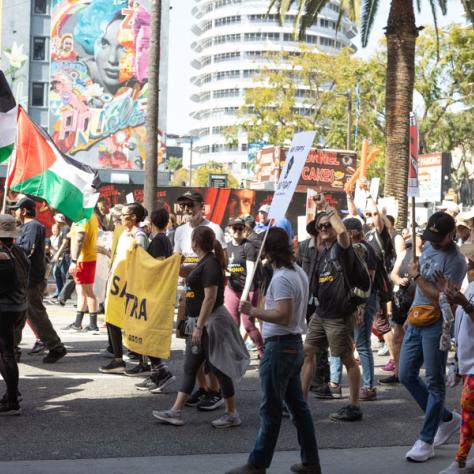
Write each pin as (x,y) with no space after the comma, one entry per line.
(349,120)
(191,162)
(151,161)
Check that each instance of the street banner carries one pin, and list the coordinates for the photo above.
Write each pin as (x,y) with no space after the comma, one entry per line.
(291,173)
(141,299)
(413,184)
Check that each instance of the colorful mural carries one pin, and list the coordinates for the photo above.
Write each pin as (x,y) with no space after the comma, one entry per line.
(99,69)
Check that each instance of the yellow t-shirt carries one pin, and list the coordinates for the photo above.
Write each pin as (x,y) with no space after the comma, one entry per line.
(91,229)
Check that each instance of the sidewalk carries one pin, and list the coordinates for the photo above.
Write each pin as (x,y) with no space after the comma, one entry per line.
(389,460)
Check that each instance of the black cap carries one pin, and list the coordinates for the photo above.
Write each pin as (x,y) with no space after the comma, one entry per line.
(237,221)
(311,228)
(352,223)
(191,196)
(439,226)
(25,203)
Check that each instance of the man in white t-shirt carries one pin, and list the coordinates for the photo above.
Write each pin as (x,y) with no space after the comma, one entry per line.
(283,323)
(207,397)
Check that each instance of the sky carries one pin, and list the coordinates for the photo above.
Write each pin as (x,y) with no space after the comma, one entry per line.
(181,37)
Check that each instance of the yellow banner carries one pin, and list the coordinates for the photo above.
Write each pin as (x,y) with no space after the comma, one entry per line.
(141,299)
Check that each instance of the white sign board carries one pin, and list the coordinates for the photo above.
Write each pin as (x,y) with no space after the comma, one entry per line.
(129,198)
(374,187)
(291,173)
(430,177)
(302,234)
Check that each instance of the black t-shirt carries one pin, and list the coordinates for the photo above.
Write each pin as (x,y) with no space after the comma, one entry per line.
(331,289)
(238,255)
(208,272)
(160,246)
(370,258)
(32,241)
(382,244)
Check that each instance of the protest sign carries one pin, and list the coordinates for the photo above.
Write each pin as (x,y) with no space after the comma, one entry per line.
(141,298)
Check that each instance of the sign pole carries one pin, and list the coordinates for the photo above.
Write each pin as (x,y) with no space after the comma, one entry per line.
(413,227)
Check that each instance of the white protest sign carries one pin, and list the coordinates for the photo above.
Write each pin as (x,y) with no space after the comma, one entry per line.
(291,173)
(129,198)
(374,187)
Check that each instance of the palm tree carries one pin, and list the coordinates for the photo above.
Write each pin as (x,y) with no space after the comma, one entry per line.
(151,162)
(401,32)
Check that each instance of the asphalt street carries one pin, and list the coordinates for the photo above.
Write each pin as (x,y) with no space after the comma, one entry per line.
(73,412)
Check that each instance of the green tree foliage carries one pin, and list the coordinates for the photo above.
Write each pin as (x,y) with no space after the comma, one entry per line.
(180,176)
(201,175)
(174,163)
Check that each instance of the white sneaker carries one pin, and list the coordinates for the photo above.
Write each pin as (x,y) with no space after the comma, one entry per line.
(383,349)
(420,452)
(446,429)
(454,468)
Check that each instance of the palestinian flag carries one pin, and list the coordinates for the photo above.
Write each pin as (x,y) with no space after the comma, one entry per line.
(8,113)
(41,170)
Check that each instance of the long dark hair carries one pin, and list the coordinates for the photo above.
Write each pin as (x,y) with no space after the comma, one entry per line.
(138,210)
(278,249)
(205,238)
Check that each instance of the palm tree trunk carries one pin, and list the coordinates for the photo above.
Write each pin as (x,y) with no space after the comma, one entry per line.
(401,36)
(151,162)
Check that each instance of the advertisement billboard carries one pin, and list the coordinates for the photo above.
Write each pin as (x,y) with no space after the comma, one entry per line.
(98,82)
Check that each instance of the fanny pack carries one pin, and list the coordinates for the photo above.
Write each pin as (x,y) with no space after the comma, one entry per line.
(423,315)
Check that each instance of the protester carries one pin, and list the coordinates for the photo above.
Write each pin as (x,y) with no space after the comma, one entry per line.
(103,214)
(421,344)
(61,259)
(464,333)
(242,260)
(132,215)
(207,396)
(283,322)
(14,269)
(171,229)
(146,226)
(468,217)
(212,336)
(160,247)
(333,322)
(83,266)
(263,220)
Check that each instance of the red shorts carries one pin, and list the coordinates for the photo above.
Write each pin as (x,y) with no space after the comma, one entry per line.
(85,273)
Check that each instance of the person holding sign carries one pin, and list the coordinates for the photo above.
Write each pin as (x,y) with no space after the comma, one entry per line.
(283,322)
(212,336)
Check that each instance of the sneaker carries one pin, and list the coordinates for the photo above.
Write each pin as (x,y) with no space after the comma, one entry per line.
(72,327)
(4,399)
(420,452)
(383,349)
(391,379)
(196,397)
(114,367)
(347,413)
(227,420)
(368,394)
(54,355)
(91,329)
(247,469)
(323,392)
(139,370)
(162,381)
(336,390)
(38,348)
(146,385)
(58,302)
(389,366)
(306,468)
(211,401)
(446,429)
(10,409)
(169,417)
(132,356)
(454,468)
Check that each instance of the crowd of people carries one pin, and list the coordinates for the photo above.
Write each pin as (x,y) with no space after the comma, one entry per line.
(311,311)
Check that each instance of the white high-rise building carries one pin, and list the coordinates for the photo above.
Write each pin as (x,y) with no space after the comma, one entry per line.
(232,38)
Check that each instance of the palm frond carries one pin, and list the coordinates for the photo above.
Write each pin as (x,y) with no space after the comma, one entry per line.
(418,5)
(283,8)
(369,11)
(313,9)
(443,5)
(469,8)
(435,22)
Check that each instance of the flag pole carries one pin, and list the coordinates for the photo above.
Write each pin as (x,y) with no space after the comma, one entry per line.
(5,190)
(413,227)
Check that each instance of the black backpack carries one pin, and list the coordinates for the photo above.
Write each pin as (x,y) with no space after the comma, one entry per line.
(19,270)
(357,279)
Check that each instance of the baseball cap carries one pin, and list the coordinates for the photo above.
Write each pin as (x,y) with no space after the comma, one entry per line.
(249,221)
(60,218)
(352,223)
(25,203)
(264,208)
(237,221)
(191,196)
(439,226)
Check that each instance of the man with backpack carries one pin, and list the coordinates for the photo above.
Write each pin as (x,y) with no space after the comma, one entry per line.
(32,241)
(332,325)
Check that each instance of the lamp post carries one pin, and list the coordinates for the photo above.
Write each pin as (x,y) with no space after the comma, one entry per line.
(179,139)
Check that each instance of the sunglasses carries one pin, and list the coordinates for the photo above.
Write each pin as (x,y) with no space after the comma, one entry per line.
(325,226)
(370,214)
(187,205)
(238,228)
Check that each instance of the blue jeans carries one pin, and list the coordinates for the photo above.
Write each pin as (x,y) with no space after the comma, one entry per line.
(421,347)
(59,271)
(335,365)
(362,335)
(280,382)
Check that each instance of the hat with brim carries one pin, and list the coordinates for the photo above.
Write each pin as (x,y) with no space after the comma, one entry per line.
(8,229)
(440,224)
(24,203)
(59,218)
(191,196)
(265,208)
(468,251)
(237,221)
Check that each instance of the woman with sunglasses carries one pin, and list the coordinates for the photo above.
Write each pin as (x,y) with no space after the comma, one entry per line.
(242,259)
(131,215)
(212,337)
